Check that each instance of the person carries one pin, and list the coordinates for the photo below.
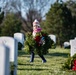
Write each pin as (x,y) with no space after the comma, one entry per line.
(37,29)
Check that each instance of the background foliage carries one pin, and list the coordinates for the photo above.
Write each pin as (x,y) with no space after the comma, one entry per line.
(59,22)
(10,25)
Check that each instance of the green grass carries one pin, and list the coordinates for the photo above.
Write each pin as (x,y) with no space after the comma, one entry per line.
(55,59)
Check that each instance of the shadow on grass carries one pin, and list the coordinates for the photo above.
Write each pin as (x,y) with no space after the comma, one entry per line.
(22,53)
(58,54)
(25,64)
(20,64)
(37,69)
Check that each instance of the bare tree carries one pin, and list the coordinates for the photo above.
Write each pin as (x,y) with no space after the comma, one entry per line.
(33,9)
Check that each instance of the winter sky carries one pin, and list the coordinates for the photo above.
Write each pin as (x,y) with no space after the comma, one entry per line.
(51,1)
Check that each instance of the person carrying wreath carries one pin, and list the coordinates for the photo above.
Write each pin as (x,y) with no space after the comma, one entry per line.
(39,40)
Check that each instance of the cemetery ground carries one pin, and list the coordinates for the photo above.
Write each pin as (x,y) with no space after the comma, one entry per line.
(55,60)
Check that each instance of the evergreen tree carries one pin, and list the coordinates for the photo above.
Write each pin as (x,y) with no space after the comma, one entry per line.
(71,4)
(1,19)
(10,25)
(59,22)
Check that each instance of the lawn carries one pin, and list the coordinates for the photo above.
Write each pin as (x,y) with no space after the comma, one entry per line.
(55,59)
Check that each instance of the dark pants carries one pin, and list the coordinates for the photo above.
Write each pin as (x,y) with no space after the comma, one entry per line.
(32,57)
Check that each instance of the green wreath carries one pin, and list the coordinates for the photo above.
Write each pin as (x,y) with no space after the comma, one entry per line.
(40,44)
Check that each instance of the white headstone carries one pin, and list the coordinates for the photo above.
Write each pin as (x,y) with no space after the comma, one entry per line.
(75,38)
(4,60)
(12,44)
(66,44)
(19,37)
(73,47)
(53,37)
